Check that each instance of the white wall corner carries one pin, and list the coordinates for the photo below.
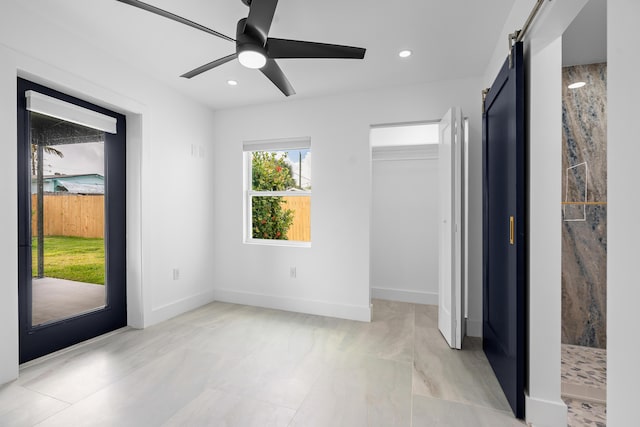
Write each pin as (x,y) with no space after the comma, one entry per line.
(135,297)
(405,295)
(545,272)
(8,221)
(545,413)
(297,305)
(623,227)
(474,328)
(166,312)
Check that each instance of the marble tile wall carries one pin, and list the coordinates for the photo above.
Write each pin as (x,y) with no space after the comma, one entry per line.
(584,231)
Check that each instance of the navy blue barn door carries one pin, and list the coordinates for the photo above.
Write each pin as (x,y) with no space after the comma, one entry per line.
(504,228)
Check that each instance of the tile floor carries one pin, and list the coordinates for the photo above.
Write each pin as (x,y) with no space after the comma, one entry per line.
(233,365)
(584,366)
(582,413)
(584,382)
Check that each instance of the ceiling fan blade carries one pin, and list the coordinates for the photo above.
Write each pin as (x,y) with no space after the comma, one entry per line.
(209,66)
(283,48)
(261,16)
(169,15)
(277,77)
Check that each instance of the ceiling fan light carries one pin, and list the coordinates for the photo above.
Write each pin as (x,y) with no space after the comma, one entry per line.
(252,59)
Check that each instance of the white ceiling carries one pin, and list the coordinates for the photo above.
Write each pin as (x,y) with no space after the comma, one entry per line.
(450,39)
(585,41)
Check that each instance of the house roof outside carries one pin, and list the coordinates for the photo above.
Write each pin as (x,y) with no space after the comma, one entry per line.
(74,184)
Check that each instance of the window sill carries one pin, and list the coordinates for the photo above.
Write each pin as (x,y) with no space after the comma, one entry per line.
(281,243)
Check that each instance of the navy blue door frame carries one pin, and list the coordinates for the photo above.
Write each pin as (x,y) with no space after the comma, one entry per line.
(504,229)
(36,341)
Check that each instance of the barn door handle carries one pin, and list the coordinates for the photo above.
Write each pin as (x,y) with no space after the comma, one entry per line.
(511,229)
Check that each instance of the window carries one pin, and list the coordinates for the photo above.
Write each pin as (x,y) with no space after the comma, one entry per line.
(278,192)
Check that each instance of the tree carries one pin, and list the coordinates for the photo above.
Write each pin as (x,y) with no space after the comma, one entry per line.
(37,154)
(34,156)
(270,172)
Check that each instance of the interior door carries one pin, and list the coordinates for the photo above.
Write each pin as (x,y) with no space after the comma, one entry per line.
(450,292)
(504,230)
(71,220)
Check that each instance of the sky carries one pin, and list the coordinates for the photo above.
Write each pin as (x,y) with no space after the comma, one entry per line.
(87,158)
(293,157)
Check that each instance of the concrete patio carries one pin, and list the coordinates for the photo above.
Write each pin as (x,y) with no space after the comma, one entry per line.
(55,299)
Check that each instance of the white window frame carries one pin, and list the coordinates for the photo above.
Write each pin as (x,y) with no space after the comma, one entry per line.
(249,147)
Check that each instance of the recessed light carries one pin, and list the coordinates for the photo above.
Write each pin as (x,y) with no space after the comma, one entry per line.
(232,83)
(576,85)
(404,53)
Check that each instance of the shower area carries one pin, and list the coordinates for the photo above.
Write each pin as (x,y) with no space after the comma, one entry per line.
(584,217)
(584,234)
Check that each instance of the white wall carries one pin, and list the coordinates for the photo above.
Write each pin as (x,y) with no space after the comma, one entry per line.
(404,230)
(333,275)
(623,229)
(544,65)
(8,224)
(169,209)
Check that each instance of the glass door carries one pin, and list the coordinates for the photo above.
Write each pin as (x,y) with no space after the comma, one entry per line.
(71,220)
(67,219)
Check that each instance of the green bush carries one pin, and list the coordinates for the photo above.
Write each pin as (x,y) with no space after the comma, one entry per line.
(270,172)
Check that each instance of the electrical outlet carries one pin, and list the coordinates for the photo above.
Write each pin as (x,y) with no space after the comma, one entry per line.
(176,273)
(292,272)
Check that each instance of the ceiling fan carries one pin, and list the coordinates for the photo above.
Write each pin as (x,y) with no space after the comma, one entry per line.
(254,49)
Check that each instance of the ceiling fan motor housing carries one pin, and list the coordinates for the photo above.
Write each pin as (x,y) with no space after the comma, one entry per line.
(246,40)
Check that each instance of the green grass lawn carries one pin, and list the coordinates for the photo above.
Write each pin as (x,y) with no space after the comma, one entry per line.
(72,258)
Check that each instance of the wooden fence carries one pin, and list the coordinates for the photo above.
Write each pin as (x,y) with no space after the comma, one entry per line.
(70,215)
(301,228)
(83,216)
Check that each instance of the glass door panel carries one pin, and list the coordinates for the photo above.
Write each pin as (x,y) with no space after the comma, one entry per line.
(67,219)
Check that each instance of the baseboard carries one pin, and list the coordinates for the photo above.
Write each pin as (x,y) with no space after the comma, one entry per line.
(298,305)
(404,295)
(474,328)
(545,413)
(165,312)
